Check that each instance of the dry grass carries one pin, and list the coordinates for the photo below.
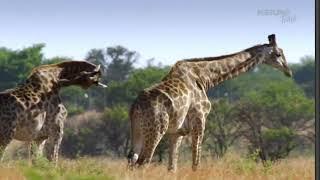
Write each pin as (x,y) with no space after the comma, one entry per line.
(10,173)
(230,167)
(227,168)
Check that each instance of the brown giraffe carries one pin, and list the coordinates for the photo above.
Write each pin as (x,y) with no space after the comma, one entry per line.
(33,110)
(178,105)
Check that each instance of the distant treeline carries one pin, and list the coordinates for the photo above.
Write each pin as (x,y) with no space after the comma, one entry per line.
(265,111)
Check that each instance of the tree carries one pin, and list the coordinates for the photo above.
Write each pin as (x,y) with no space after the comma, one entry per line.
(97,56)
(236,88)
(15,65)
(273,117)
(56,59)
(117,62)
(104,133)
(221,129)
(303,74)
(121,62)
(139,79)
(115,128)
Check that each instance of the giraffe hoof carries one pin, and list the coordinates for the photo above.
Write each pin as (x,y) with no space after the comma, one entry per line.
(194,167)
(171,170)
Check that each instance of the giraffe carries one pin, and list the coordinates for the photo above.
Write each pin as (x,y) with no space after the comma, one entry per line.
(178,105)
(33,111)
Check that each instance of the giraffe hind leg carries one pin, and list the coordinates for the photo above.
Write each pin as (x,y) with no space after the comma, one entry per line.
(197,136)
(175,141)
(152,133)
(136,142)
(150,145)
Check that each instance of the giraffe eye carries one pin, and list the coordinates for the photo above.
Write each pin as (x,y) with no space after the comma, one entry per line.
(278,54)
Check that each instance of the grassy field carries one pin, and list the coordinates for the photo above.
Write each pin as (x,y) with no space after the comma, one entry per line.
(230,167)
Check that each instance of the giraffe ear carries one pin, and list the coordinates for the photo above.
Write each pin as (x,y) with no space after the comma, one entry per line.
(272,39)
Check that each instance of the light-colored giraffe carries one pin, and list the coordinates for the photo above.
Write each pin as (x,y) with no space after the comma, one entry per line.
(178,105)
(33,110)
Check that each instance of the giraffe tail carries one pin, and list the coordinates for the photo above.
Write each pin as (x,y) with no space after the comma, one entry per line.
(136,140)
(132,158)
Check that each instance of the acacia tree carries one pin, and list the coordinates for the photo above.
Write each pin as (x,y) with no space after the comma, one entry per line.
(126,92)
(303,74)
(117,62)
(271,116)
(115,129)
(221,129)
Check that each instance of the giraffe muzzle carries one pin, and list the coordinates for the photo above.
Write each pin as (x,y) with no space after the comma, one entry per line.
(288,73)
(286,70)
(96,72)
(97,82)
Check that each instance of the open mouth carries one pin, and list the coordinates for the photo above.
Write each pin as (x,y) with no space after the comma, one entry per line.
(96,78)
(98,83)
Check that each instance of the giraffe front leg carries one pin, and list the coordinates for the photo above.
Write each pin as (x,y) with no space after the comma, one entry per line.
(36,149)
(175,141)
(3,145)
(56,134)
(29,145)
(53,144)
(40,147)
(197,136)
(6,136)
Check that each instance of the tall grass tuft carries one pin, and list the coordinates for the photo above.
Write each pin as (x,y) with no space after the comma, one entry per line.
(232,166)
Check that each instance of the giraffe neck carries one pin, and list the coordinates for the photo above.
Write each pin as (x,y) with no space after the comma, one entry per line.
(41,81)
(211,71)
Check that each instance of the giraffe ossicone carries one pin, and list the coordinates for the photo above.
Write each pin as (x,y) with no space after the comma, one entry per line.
(178,105)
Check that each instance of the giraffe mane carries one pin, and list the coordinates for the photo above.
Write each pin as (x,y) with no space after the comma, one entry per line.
(60,65)
(215,58)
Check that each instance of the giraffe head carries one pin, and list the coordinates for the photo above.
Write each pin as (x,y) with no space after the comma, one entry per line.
(81,73)
(275,56)
(88,78)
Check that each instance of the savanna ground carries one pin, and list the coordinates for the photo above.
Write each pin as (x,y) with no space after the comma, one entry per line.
(231,166)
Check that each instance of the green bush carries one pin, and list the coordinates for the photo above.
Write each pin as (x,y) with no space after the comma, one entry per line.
(74,110)
(278,142)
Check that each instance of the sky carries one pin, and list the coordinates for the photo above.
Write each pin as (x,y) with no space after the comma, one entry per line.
(167,30)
